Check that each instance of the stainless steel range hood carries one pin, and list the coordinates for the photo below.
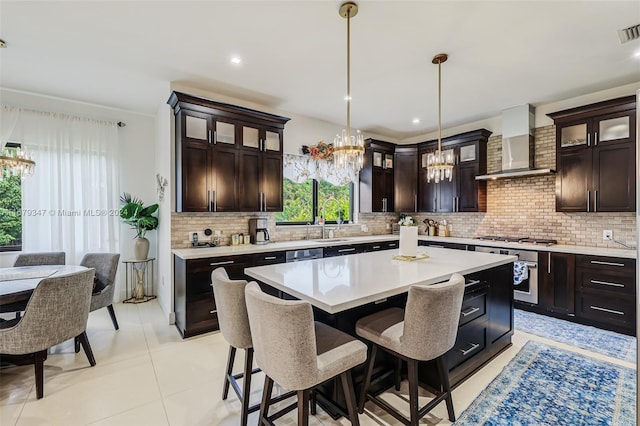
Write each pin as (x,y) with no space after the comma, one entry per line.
(518,145)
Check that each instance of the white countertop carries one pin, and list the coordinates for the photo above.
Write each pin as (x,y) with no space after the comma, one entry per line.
(199,253)
(336,284)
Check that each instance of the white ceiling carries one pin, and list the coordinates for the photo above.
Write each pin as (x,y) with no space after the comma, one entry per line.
(501,54)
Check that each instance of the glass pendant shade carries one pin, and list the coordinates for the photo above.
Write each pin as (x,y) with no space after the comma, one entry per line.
(16,162)
(348,151)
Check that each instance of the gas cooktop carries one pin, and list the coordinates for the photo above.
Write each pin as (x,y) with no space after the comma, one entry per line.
(526,240)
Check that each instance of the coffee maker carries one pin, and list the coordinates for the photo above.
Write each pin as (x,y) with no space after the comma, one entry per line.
(258,230)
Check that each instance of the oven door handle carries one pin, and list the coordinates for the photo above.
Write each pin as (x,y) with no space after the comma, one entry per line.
(531,265)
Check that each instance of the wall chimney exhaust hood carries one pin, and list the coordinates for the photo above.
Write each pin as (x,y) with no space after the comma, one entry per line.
(518,145)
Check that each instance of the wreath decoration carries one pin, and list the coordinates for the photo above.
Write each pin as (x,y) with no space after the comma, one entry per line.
(320,151)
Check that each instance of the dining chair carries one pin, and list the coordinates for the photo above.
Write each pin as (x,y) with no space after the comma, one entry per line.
(32,259)
(44,258)
(299,354)
(425,330)
(57,311)
(106,266)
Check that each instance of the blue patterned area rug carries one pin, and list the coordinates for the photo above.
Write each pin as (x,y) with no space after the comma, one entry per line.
(604,342)
(543,385)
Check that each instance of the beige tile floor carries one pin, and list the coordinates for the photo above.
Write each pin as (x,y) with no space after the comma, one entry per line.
(147,375)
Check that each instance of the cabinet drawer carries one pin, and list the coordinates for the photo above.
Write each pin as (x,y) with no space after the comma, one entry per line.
(388,245)
(598,306)
(474,306)
(234,265)
(202,315)
(614,264)
(605,280)
(269,258)
(471,340)
(342,250)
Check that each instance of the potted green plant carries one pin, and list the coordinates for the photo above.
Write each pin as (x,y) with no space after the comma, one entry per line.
(141,219)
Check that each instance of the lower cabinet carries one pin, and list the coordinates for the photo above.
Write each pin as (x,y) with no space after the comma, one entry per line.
(605,293)
(195,306)
(556,282)
(437,244)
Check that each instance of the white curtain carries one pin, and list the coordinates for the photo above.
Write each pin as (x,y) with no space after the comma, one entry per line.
(300,168)
(71,202)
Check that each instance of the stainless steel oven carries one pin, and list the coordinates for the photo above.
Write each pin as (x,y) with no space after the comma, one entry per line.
(527,290)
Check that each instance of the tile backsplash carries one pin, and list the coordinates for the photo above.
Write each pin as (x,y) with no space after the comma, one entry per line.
(515,207)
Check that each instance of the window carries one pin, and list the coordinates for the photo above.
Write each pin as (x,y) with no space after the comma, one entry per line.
(303,202)
(10,210)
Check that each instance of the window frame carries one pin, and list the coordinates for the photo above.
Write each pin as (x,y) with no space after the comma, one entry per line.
(315,207)
(8,248)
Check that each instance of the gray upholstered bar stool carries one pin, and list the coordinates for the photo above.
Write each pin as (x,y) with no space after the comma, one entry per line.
(425,330)
(299,354)
(234,325)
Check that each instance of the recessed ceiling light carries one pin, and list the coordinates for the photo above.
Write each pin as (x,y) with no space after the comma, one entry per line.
(636,55)
(348,98)
(236,60)
(416,121)
(2,44)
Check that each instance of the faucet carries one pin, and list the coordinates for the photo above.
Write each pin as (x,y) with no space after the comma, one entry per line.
(324,218)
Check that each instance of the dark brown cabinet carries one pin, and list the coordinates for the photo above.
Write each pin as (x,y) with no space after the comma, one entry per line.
(376,177)
(405,179)
(606,293)
(556,282)
(228,158)
(464,193)
(595,157)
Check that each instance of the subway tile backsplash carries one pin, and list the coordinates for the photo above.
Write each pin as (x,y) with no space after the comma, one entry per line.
(515,207)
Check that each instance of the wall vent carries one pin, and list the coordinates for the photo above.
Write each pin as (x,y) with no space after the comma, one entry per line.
(630,33)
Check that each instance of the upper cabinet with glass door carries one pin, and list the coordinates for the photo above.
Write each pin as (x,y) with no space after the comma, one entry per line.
(607,122)
(262,138)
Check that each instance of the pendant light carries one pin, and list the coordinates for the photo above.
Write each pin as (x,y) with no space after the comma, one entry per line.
(439,164)
(348,149)
(15,161)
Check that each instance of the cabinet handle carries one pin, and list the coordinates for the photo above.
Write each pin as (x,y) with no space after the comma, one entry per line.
(226,262)
(588,139)
(531,265)
(375,247)
(471,282)
(600,262)
(210,136)
(611,311)
(549,264)
(606,283)
(595,139)
(595,201)
(264,201)
(473,347)
(415,202)
(435,246)
(346,250)
(215,137)
(434,205)
(588,199)
(213,312)
(208,200)
(393,245)
(270,258)
(215,201)
(453,204)
(469,311)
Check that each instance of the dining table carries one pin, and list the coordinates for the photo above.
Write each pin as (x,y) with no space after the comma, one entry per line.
(17,283)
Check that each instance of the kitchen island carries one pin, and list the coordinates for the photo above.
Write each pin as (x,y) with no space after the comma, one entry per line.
(344,289)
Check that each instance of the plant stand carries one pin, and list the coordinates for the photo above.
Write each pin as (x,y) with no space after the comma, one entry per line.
(138,272)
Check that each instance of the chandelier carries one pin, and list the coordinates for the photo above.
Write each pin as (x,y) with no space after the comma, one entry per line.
(439,164)
(348,149)
(14,161)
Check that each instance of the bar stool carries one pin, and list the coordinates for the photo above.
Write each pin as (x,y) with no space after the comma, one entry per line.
(424,331)
(299,354)
(234,325)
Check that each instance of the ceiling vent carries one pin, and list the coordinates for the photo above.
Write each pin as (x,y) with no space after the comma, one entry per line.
(628,34)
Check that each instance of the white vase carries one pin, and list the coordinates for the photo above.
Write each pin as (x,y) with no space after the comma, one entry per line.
(409,241)
(141,248)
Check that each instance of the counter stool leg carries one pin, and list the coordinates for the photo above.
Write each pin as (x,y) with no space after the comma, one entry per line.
(412,373)
(398,371)
(444,379)
(303,407)
(367,376)
(230,359)
(350,397)
(246,388)
(266,401)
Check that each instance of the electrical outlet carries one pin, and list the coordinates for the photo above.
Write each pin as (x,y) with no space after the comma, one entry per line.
(363,228)
(607,235)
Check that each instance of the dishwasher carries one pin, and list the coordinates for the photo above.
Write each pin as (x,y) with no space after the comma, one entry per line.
(305,254)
